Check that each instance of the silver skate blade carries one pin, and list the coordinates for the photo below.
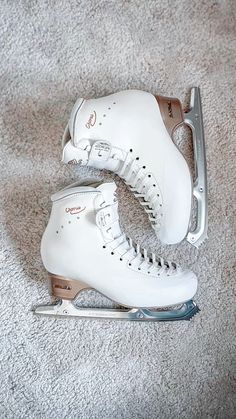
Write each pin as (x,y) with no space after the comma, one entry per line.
(68,309)
(194,120)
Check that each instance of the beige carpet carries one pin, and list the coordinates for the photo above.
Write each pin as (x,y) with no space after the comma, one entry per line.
(51,53)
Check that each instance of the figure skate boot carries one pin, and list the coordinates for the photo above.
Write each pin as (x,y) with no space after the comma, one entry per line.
(83,247)
(130,133)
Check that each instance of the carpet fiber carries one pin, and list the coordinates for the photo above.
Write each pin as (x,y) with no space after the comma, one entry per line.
(51,53)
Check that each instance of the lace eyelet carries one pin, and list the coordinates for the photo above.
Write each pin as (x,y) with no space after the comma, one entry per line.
(104,247)
(139,269)
(149,175)
(112,253)
(131,150)
(148,272)
(137,158)
(144,167)
(121,259)
(130,264)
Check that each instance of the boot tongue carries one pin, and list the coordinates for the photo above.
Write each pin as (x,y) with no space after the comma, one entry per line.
(108,215)
(75,155)
(108,192)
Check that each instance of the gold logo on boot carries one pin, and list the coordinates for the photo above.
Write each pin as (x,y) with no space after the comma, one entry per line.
(92,120)
(74,210)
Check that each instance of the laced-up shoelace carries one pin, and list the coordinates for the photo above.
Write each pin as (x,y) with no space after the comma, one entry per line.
(139,183)
(135,255)
(138,256)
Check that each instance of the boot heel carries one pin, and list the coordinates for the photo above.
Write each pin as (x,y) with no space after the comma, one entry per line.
(171,112)
(65,288)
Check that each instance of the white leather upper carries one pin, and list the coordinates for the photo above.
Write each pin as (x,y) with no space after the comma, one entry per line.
(107,129)
(83,220)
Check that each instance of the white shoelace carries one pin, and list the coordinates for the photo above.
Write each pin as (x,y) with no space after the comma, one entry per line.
(141,259)
(136,256)
(136,177)
(144,187)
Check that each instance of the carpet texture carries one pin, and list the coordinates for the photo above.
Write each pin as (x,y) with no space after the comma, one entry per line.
(51,53)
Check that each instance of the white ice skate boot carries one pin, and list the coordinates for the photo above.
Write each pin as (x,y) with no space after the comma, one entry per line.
(83,247)
(130,133)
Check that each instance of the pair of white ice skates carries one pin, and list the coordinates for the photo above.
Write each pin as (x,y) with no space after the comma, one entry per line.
(83,247)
